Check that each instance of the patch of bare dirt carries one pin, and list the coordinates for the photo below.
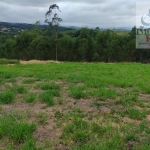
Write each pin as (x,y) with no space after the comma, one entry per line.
(139,108)
(19,80)
(38,62)
(144,97)
(118,89)
(47,131)
(85,105)
(31,86)
(22,106)
(148,117)
(50,133)
(2,145)
(118,107)
(80,84)
(130,145)
(105,109)
(129,120)
(9,84)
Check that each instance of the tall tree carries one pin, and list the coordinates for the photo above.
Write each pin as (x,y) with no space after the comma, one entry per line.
(53,20)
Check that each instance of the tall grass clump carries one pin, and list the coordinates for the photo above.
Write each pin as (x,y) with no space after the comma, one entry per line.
(49,86)
(136,114)
(30,97)
(6,97)
(77,92)
(77,131)
(21,89)
(47,97)
(14,128)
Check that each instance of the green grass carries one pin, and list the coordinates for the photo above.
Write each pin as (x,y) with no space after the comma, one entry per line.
(77,131)
(135,113)
(30,145)
(7,75)
(6,97)
(102,93)
(21,89)
(30,97)
(47,97)
(99,130)
(50,86)
(19,131)
(93,106)
(77,92)
(86,135)
(128,99)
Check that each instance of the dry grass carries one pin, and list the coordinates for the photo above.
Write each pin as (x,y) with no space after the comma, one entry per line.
(38,62)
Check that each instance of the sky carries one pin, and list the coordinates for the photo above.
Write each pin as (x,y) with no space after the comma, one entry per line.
(80,13)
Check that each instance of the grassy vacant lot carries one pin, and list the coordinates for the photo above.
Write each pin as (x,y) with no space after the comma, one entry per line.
(75,106)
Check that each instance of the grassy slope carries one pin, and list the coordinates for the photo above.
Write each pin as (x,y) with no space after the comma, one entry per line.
(92,105)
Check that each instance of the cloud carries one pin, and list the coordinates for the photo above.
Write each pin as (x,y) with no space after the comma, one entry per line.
(41,3)
(91,13)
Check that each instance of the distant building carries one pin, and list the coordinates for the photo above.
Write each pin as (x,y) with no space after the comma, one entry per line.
(3,29)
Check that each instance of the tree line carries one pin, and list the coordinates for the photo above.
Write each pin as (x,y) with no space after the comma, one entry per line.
(83,45)
(14,28)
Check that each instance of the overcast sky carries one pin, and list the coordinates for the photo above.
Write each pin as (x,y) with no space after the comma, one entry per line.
(81,13)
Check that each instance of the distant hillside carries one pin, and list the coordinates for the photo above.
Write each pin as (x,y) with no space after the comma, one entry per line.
(15,28)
